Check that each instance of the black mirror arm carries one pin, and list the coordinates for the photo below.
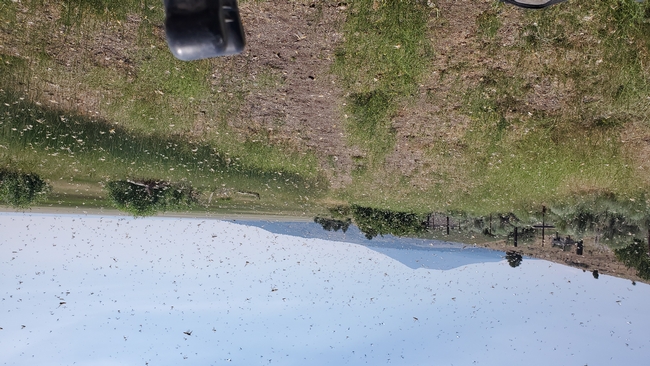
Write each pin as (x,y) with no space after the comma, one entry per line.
(198,29)
(533,4)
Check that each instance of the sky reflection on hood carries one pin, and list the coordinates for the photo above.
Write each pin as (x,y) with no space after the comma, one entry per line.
(95,290)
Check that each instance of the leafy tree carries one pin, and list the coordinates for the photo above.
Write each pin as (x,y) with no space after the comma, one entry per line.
(22,190)
(333,224)
(635,256)
(373,222)
(147,197)
(514,258)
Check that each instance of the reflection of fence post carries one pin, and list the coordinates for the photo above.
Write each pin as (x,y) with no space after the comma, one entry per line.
(515,236)
(543,222)
(490,224)
(447,225)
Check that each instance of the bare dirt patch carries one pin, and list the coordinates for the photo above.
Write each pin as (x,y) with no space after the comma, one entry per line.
(296,101)
(59,55)
(465,57)
(436,117)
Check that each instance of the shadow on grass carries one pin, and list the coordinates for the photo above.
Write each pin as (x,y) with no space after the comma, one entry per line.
(111,151)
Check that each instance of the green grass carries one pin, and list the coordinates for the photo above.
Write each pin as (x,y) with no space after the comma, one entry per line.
(533,169)
(149,116)
(614,39)
(72,148)
(74,12)
(521,150)
(527,155)
(488,23)
(169,119)
(380,64)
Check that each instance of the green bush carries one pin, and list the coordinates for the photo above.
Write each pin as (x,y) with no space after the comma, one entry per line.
(147,197)
(333,224)
(635,256)
(373,222)
(22,190)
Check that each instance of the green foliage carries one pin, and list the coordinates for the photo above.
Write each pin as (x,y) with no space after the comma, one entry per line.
(380,63)
(514,258)
(635,256)
(79,148)
(499,225)
(341,212)
(371,129)
(615,219)
(75,11)
(22,190)
(611,34)
(147,197)
(502,225)
(373,222)
(488,23)
(333,224)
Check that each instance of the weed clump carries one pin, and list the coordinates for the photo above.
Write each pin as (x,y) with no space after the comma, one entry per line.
(21,190)
(635,256)
(148,197)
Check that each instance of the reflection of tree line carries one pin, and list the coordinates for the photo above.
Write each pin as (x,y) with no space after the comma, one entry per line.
(333,224)
(372,222)
(613,228)
(607,219)
(514,258)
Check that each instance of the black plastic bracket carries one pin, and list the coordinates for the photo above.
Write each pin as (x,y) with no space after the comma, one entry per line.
(533,4)
(198,29)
